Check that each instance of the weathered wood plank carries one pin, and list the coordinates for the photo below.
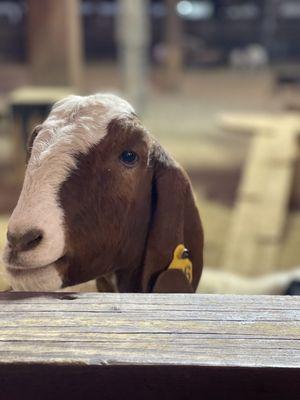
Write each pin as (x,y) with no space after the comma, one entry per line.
(75,345)
(33,327)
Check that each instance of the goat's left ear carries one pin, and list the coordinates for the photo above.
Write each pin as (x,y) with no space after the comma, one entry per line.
(175,224)
(30,141)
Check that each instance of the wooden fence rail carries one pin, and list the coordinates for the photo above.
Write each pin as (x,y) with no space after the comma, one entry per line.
(141,346)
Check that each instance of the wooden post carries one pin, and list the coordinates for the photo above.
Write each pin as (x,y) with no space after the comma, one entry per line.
(269,24)
(133,40)
(173,40)
(54,42)
(260,213)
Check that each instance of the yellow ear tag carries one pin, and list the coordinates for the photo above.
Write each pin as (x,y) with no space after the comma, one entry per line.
(181,261)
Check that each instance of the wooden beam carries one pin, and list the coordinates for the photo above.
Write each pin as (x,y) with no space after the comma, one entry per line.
(149,346)
(54,42)
(254,122)
(173,42)
(261,208)
(133,36)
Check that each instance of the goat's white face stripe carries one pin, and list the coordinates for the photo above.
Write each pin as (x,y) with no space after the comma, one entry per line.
(74,125)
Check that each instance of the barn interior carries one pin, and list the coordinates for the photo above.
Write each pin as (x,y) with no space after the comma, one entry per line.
(217,82)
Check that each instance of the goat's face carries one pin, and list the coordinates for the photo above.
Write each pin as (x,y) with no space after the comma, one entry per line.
(87,183)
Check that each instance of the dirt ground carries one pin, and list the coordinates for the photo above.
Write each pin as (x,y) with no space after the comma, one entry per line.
(186,123)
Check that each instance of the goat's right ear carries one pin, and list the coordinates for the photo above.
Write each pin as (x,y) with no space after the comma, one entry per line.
(30,141)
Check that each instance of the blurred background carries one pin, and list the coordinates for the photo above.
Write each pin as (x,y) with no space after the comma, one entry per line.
(216,81)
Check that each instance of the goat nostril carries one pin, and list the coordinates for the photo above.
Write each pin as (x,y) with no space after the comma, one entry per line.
(34,242)
(27,241)
(10,238)
(31,240)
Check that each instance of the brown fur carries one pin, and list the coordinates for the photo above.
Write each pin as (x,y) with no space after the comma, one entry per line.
(128,221)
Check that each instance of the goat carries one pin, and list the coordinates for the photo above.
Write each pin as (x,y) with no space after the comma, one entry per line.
(102,199)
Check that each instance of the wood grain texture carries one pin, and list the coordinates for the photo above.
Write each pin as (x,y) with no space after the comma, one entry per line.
(149,346)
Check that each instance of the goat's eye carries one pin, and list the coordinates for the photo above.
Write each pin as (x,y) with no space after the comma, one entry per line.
(129,158)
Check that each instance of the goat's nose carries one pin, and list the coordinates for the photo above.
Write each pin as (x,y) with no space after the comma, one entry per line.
(26,241)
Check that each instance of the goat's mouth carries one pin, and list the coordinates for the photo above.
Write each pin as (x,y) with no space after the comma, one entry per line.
(21,269)
(48,277)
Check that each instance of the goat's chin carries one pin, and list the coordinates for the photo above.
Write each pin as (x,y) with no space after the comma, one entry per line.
(34,279)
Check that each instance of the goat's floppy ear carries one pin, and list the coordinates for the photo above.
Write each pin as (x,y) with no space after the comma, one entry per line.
(30,141)
(175,221)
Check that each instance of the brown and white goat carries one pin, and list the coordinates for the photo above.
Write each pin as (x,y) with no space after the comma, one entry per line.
(101,199)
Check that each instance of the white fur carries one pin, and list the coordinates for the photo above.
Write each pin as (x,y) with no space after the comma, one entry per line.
(38,279)
(74,125)
(224,282)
